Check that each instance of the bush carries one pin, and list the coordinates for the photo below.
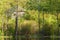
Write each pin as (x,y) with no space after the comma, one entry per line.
(46,30)
(0,32)
(31,25)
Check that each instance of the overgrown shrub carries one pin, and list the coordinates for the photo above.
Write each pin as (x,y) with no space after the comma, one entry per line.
(30,24)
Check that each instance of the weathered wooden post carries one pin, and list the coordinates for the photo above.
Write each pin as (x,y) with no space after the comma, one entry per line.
(18,12)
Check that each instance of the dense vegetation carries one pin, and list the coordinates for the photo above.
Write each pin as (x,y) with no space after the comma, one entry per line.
(41,18)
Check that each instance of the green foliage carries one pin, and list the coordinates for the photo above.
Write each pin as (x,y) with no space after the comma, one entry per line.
(46,30)
(45,5)
(31,25)
(33,4)
(28,23)
(0,32)
(27,16)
